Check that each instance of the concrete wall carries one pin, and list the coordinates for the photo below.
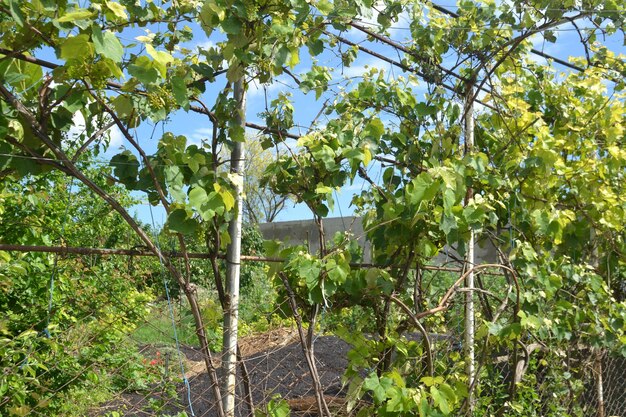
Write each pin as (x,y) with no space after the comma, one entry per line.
(304,232)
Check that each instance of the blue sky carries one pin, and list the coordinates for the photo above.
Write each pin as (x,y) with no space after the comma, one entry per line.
(197,127)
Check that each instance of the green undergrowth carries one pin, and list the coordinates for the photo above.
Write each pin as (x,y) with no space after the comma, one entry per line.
(257,314)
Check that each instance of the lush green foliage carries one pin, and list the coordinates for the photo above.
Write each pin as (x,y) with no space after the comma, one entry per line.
(544,181)
(52,355)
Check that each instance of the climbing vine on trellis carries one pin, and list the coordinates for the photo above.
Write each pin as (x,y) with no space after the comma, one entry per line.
(543,182)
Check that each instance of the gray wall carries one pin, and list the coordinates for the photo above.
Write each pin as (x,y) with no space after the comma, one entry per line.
(298,232)
(304,232)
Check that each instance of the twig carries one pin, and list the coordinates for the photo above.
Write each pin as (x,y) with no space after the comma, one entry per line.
(445,301)
(317,386)
(422,330)
(93,137)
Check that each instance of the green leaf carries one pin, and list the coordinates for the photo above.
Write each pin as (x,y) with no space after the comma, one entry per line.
(372,383)
(237,133)
(280,57)
(278,407)
(448,392)
(367,155)
(440,400)
(227,199)
(161,59)
(321,210)
(76,48)
(125,167)
(214,205)
(316,47)
(79,14)
(123,106)
(323,189)
(424,109)
(421,188)
(117,9)
(113,68)
(174,179)
(231,25)
(449,198)
(107,44)
(144,70)
(479,162)
(406,98)
(530,321)
(448,224)
(511,331)
(15,129)
(197,197)
(374,129)
(16,12)
(182,221)
(324,6)
(294,57)
(20,74)
(179,90)
(474,214)
(429,381)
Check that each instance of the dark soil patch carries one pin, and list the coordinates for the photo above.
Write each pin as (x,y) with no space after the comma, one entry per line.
(279,371)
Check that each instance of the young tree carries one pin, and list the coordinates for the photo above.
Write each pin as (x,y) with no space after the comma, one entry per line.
(260,204)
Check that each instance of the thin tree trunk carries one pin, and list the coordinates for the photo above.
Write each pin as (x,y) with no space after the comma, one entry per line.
(233,261)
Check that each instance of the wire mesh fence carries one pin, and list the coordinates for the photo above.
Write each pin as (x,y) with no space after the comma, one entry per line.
(140,354)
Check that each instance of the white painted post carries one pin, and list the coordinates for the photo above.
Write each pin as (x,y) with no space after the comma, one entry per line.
(469,282)
(233,262)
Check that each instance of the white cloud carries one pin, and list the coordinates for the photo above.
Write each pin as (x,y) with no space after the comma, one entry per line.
(195,46)
(555,49)
(361,67)
(78,127)
(371,21)
(355,71)
(255,88)
(207,44)
(77,132)
(116,137)
(202,45)
(201,134)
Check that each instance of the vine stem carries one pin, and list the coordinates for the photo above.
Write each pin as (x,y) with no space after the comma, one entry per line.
(308,354)
(422,330)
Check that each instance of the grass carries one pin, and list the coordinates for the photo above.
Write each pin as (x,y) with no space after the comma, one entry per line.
(257,313)
(158,330)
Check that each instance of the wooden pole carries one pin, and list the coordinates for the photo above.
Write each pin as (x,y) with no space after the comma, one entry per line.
(233,260)
(599,384)
(469,281)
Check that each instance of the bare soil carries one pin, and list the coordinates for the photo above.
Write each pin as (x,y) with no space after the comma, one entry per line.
(276,366)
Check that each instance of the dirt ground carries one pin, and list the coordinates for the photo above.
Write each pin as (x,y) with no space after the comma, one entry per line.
(276,366)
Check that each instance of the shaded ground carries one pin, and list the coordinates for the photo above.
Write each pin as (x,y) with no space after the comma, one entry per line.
(276,367)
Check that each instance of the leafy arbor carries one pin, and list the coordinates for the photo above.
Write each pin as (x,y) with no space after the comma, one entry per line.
(543,181)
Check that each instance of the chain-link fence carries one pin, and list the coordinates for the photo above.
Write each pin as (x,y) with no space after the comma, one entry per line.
(137,355)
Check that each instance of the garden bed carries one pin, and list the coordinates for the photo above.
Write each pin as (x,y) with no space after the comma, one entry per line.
(277,369)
